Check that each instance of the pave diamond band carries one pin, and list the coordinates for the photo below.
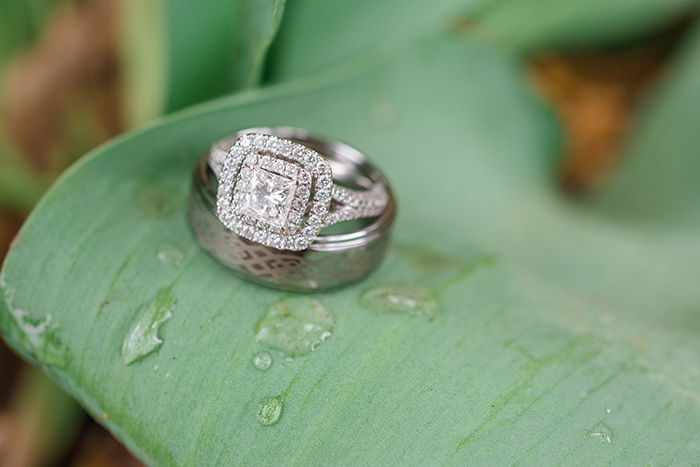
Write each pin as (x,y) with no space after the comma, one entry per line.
(280,187)
(253,209)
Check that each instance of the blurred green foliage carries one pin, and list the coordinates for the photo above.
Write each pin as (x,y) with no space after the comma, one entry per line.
(176,53)
(543,24)
(22,22)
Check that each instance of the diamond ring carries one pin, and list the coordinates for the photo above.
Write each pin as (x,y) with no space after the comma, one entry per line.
(279,191)
(263,196)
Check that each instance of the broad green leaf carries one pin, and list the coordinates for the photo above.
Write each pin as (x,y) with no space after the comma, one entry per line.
(258,26)
(537,24)
(317,34)
(531,329)
(659,176)
(351,29)
(177,53)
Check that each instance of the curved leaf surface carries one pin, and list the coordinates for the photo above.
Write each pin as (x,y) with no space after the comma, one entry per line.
(505,325)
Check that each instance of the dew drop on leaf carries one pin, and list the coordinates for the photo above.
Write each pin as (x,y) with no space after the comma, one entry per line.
(168,253)
(601,432)
(262,361)
(143,337)
(270,410)
(401,298)
(295,326)
(37,335)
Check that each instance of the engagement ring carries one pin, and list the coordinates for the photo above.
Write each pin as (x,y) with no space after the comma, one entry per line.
(264,197)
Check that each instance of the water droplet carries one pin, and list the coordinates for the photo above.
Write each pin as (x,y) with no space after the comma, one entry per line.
(41,339)
(401,298)
(262,361)
(601,432)
(270,409)
(168,253)
(143,338)
(295,326)
(37,336)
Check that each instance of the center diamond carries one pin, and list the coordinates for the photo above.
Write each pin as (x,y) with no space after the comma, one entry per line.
(267,196)
(274,191)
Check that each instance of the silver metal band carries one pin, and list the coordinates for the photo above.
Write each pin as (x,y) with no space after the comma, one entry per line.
(361,195)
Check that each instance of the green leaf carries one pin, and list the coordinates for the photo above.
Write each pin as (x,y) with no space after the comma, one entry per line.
(258,26)
(659,177)
(177,53)
(21,22)
(20,187)
(535,330)
(538,24)
(352,29)
(317,34)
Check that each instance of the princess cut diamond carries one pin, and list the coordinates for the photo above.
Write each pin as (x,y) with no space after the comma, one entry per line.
(267,196)
(267,186)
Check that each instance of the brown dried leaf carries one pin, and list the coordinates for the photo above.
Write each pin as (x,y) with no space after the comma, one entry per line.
(596,94)
(73,63)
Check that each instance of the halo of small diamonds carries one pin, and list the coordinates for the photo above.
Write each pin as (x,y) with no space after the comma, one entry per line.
(274,191)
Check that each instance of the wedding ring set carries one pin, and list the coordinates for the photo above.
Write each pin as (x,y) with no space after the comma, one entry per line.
(289,210)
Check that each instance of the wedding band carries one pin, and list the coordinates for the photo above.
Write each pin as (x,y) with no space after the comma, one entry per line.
(290,210)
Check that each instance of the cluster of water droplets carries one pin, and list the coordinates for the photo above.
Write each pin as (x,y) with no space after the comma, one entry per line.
(292,327)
